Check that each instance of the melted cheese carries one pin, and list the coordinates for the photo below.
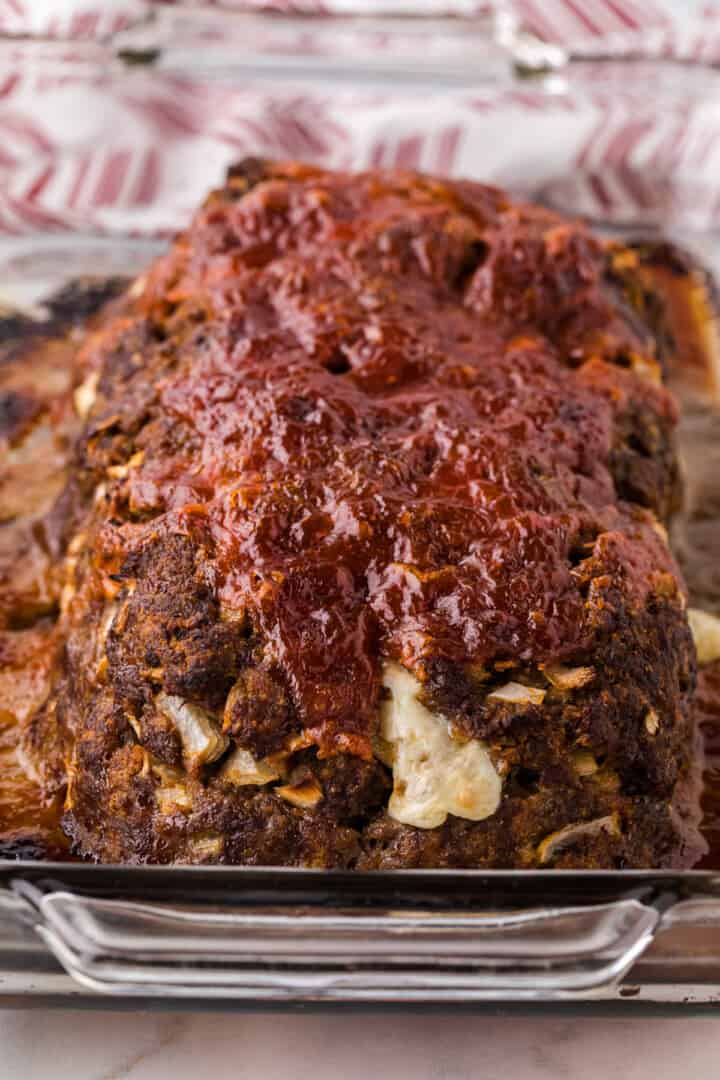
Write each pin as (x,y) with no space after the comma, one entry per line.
(434,774)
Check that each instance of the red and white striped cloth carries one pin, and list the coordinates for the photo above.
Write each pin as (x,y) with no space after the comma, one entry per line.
(76,19)
(625,23)
(96,19)
(674,29)
(91,145)
(570,21)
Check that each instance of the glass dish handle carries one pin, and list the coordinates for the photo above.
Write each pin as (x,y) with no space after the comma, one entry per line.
(320,952)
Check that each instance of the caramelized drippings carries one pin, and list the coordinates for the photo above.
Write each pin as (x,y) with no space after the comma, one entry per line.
(37,429)
(696,538)
(708,712)
(695,377)
(29,823)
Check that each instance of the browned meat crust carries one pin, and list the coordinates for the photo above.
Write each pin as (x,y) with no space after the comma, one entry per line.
(357,420)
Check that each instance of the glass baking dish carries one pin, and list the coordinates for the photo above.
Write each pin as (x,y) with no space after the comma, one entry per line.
(245,937)
(387,46)
(278,937)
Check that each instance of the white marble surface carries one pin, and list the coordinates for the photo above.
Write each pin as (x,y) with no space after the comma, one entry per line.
(60,1045)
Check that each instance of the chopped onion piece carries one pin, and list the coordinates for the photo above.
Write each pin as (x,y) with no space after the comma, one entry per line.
(207,846)
(515,693)
(173,792)
(201,740)
(585,763)
(305,795)
(556,842)
(85,394)
(242,768)
(566,678)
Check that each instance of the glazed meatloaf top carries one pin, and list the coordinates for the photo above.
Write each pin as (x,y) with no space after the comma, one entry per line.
(364,556)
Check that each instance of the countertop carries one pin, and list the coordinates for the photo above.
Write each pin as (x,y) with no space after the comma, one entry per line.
(71,1045)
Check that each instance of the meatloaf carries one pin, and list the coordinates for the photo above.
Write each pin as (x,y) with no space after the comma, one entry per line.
(359,558)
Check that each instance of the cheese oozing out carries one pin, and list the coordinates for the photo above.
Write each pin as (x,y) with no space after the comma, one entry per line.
(434,774)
